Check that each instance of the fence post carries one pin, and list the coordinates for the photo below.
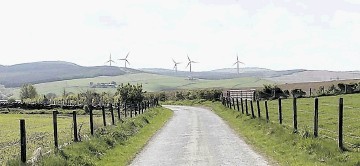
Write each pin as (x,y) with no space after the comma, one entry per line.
(75,127)
(341,110)
(125,109)
(142,107)
(242,105)
(103,114)
(131,111)
(252,109)
(237,104)
(258,108)
(267,111)
(136,108)
(246,107)
(316,118)
(280,111)
(118,111)
(112,114)
(295,115)
(23,140)
(91,120)
(233,100)
(230,103)
(56,144)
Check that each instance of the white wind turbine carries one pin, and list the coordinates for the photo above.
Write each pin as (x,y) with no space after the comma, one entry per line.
(190,62)
(176,65)
(110,60)
(125,59)
(237,63)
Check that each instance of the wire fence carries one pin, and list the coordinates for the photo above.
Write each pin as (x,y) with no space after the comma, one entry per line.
(328,117)
(40,129)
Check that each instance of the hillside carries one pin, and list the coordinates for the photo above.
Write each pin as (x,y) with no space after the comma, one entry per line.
(227,73)
(316,76)
(49,71)
(150,82)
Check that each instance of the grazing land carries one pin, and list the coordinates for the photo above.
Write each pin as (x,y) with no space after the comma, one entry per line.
(150,82)
(39,132)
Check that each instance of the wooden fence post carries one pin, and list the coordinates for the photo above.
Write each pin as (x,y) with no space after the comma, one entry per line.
(267,112)
(112,114)
(252,109)
(23,141)
(118,111)
(136,108)
(75,127)
(233,100)
(280,111)
(246,107)
(103,114)
(258,108)
(91,120)
(131,111)
(230,103)
(56,144)
(242,105)
(341,110)
(316,118)
(237,104)
(295,115)
(125,109)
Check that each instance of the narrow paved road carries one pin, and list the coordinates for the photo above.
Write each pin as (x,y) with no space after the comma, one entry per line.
(197,136)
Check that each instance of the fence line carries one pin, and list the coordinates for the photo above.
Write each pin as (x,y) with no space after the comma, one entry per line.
(296,114)
(73,131)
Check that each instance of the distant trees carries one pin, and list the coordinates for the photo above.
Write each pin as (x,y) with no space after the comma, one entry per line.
(28,91)
(130,93)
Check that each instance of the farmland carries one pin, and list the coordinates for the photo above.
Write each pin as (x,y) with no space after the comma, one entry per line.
(39,131)
(150,82)
(328,117)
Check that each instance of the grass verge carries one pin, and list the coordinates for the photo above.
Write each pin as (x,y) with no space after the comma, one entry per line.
(278,142)
(112,145)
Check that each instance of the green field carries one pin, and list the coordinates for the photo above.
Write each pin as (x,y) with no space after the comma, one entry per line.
(328,117)
(39,132)
(150,82)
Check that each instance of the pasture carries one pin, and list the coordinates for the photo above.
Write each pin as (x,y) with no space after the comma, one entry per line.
(328,117)
(150,82)
(39,132)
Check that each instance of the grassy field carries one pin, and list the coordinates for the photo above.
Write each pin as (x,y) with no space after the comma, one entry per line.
(39,131)
(284,147)
(150,82)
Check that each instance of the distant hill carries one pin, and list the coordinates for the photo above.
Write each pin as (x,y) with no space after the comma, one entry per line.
(49,71)
(226,73)
(316,76)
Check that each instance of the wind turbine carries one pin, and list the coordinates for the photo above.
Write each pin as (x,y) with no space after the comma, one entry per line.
(125,59)
(175,65)
(110,60)
(190,62)
(237,63)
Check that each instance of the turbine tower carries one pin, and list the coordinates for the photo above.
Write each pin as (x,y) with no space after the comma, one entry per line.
(125,59)
(175,65)
(237,63)
(110,60)
(190,62)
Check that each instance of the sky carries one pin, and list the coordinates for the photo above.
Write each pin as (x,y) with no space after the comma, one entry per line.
(277,34)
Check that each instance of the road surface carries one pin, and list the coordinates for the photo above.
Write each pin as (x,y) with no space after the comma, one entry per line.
(197,136)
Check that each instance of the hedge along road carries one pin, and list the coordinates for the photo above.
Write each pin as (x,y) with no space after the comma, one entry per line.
(197,136)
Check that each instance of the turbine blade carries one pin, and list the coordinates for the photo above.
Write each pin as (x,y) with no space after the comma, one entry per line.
(188,58)
(127,62)
(235,63)
(187,64)
(173,61)
(127,55)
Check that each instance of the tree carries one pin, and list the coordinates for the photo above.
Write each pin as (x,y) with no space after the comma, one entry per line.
(28,91)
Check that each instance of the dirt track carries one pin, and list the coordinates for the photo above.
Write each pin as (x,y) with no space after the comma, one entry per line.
(197,136)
